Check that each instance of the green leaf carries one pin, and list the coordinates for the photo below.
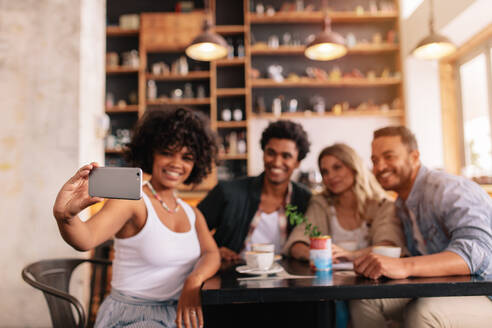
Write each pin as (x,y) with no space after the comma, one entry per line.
(296,218)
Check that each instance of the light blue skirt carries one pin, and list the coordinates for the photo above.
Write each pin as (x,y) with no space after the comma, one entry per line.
(120,310)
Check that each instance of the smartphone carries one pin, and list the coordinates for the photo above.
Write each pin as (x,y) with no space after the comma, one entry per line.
(116,182)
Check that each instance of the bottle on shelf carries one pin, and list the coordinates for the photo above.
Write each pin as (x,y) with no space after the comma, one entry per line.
(237,114)
(151,90)
(233,143)
(240,48)
(188,91)
(230,48)
(226,114)
(241,143)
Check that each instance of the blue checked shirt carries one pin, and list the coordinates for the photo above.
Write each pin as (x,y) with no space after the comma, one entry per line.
(453,214)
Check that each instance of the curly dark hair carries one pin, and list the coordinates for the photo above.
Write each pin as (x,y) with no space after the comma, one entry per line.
(170,130)
(285,129)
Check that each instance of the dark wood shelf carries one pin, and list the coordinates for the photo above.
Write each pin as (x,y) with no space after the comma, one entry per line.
(118,31)
(365,49)
(115,151)
(318,16)
(121,70)
(229,29)
(197,75)
(231,61)
(230,92)
(122,109)
(350,113)
(190,102)
(231,124)
(305,82)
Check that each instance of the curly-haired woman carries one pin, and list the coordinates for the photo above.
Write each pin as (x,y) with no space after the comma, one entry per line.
(163,248)
(353,209)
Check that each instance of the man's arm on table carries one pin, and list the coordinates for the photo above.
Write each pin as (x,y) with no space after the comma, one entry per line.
(435,265)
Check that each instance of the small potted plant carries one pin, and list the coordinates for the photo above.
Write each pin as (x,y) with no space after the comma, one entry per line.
(320,246)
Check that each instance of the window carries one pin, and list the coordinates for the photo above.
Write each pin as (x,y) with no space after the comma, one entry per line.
(475,79)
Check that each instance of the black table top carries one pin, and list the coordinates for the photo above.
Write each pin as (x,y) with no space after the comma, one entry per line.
(224,288)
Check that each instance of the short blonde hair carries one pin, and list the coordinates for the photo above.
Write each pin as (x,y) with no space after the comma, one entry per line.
(365,186)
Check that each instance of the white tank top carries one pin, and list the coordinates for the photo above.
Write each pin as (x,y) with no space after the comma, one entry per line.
(154,263)
(339,234)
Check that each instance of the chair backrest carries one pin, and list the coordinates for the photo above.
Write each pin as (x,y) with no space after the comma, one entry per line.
(52,277)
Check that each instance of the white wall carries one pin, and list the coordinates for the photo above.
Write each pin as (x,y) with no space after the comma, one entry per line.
(40,97)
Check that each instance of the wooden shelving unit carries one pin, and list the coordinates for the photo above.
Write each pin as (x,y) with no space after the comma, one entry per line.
(121,70)
(360,49)
(230,92)
(113,151)
(229,29)
(351,113)
(313,83)
(232,124)
(228,81)
(118,31)
(182,102)
(230,62)
(198,75)
(122,109)
(318,16)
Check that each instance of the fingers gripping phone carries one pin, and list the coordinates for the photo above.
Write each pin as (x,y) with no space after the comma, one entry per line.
(116,182)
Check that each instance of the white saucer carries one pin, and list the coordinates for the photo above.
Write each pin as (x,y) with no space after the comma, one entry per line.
(275,268)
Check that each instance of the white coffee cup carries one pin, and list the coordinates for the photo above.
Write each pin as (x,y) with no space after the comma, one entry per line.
(259,260)
(263,247)
(349,245)
(391,251)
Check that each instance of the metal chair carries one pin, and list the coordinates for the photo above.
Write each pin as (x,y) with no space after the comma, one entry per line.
(52,277)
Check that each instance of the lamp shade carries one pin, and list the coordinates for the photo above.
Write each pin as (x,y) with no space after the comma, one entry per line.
(434,46)
(207,46)
(327,45)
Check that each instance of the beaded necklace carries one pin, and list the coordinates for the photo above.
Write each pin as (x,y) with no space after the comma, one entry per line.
(152,190)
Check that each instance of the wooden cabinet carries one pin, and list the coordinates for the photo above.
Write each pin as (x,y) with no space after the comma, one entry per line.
(169,31)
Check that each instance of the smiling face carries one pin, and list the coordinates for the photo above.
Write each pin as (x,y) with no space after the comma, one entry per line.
(337,177)
(280,159)
(170,169)
(394,166)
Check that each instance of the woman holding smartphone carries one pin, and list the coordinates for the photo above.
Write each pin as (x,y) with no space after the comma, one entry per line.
(163,248)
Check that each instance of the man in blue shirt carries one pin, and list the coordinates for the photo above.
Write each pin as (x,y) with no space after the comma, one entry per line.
(448,226)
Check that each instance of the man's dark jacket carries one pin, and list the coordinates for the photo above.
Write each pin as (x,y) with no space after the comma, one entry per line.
(231,205)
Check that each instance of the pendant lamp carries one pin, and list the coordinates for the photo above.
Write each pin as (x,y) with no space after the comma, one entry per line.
(208,45)
(434,46)
(327,45)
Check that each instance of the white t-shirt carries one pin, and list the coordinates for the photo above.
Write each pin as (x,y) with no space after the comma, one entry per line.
(267,232)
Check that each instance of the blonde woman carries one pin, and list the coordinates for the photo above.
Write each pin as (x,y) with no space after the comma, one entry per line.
(353,209)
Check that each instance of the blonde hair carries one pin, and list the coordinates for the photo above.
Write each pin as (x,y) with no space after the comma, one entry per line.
(365,185)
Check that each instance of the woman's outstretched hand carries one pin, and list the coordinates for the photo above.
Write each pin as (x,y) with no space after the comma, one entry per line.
(73,197)
(189,313)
